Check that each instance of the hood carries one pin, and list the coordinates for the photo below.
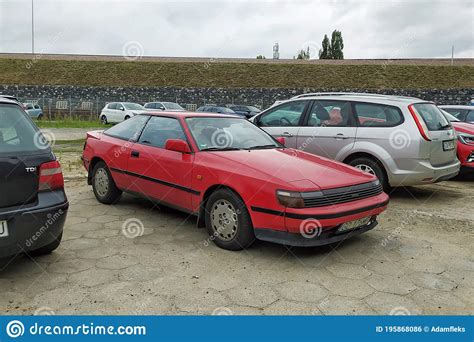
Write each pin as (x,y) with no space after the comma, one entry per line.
(463,127)
(299,170)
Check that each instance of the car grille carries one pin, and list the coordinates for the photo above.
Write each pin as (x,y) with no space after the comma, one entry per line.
(341,195)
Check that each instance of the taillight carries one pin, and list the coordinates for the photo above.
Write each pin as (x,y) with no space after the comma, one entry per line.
(50,176)
(420,123)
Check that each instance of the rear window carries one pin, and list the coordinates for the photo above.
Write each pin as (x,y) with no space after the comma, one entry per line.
(129,129)
(18,133)
(378,115)
(432,116)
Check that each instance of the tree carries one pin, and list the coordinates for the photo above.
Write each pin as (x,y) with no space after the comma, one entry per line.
(261,57)
(325,51)
(337,45)
(302,54)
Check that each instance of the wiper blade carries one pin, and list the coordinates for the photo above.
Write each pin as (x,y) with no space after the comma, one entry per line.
(256,147)
(445,126)
(214,148)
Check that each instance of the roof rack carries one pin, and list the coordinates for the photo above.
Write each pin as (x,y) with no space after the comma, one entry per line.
(350,94)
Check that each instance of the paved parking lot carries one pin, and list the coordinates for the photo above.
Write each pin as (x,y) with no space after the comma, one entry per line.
(418,260)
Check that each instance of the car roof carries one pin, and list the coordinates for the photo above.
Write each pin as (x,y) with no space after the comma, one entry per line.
(457,106)
(5,100)
(186,114)
(363,97)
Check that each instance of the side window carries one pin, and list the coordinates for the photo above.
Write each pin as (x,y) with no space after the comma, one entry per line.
(287,114)
(457,113)
(378,115)
(129,129)
(37,107)
(159,129)
(112,106)
(470,116)
(330,113)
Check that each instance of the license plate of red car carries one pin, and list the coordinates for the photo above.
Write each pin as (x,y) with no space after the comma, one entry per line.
(353,224)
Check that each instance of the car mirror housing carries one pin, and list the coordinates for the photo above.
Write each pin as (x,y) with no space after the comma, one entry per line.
(177,145)
(281,140)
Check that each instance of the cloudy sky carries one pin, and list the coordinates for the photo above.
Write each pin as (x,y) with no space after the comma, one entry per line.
(371,29)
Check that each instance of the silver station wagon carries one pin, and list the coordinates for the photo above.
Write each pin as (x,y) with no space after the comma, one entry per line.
(401,140)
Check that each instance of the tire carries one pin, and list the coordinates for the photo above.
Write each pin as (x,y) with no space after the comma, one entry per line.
(364,164)
(39,117)
(48,248)
(103,120)
(238,232)
(103,184)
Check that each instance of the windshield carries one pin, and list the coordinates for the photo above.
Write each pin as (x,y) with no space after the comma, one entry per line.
(228,134)
(450,117)
(133,106)
(225,110)
(254,109)
(172,105)
(432,116)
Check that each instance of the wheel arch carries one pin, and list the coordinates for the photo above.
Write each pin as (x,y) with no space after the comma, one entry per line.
(356,155)
(93,163)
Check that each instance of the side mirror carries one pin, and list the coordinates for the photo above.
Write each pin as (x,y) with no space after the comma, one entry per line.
(281,140)
(162,108)
(177,145)
(121,108)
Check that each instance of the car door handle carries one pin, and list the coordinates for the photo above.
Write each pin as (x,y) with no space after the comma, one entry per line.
(340,136)
(135,154)
(286,134)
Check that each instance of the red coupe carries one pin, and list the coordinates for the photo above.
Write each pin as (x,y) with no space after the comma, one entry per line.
(465,134)
(240,182)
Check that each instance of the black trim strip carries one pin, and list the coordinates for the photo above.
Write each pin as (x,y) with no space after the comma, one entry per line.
(155,180)
(320,216)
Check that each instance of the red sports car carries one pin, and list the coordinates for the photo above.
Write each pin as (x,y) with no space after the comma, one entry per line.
(240,182)
(465,133)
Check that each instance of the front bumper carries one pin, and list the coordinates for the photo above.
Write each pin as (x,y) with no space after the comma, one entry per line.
(298,240)
(34,225)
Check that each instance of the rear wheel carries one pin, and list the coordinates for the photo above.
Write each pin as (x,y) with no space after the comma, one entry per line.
(103,184)
(228,221)
(48,248)
(40,117)
(374,168)
(103,120)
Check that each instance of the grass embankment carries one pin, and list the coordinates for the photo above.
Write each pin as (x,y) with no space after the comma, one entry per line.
(233,75)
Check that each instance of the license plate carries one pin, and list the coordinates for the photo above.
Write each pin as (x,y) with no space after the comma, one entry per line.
(354,224)
(448,145)
(3,229)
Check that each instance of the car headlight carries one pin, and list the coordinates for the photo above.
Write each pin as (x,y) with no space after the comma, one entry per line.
(466,139)
(290,199)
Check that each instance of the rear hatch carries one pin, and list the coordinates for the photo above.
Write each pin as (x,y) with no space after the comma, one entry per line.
(438,129)
(22,150)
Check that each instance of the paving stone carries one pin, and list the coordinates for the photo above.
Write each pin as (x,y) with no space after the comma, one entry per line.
(301,291)
(350,271)
(286,307)
(435,302)
(400,285)
(116,262)
(339,305)
(93,277)
(254,296)
(391,304)
(432,281)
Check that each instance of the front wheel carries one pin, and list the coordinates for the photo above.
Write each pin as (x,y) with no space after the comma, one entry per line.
(103,120)
(228,221)
(374,168)
(103,184)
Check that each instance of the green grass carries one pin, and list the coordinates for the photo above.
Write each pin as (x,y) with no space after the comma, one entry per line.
(68,123)
(233,75)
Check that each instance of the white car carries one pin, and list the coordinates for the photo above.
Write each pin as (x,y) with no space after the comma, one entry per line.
(119,111)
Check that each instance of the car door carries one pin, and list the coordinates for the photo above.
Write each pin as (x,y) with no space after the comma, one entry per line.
(161,174)
(110,112)
(329,129)
(284,120)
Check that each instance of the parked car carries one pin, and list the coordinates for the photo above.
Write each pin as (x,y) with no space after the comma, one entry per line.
(247,111)
(216,109)
(465,134)
(33,110)
(462,113)
(403,141)
(168,106)
(119,111)
(33,205)
(240,182)
(13,98)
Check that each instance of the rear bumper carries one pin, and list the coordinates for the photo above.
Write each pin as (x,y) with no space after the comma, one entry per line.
(298,240)
(35,225)
(424,173)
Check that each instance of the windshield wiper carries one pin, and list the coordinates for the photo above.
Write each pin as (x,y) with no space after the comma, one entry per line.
(445,126)
(214,148)
(258,147)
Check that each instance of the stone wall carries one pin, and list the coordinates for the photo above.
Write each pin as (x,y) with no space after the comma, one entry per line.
(47,96)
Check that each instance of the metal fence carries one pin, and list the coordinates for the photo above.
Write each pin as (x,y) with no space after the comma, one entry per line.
(89,109)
